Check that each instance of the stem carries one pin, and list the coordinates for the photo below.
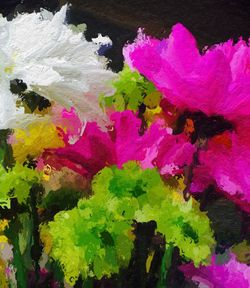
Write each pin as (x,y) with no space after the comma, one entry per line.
(21,272)
(165,265)
(36,247)
(158,248)
(137,274)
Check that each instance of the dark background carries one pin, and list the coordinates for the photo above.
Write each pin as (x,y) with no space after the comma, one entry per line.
(211,21)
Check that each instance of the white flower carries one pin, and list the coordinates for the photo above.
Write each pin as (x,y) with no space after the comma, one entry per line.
(54,61)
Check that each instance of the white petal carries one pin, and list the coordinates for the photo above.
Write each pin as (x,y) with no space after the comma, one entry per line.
(55,61)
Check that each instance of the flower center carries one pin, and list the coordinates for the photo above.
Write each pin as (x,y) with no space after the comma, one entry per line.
(199,126)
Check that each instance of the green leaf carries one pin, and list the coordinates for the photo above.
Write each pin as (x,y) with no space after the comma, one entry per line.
(16,183)
(131,90)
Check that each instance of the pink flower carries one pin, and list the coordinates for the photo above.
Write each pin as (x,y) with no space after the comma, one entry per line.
(232,274)
(96,149)
(216,82)
(213,90)
(227,161)
(174,153)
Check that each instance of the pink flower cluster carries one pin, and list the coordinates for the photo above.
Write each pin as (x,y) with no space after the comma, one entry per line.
(213,85)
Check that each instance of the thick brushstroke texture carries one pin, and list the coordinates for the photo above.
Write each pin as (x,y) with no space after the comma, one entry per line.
(33,140)
(16,183)
(129,97)
(53,61)
(97,149)
(36,248)
(94,230)
(174,153)
(215,83)
(13,235)
(135,179)
(231,274)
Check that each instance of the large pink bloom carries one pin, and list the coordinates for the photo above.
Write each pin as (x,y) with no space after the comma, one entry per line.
(216,83)
(232,274)
(121,143)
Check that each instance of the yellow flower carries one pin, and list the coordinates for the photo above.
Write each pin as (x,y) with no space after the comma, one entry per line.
(35,139)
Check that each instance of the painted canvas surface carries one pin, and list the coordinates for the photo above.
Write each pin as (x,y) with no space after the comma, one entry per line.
(124,144)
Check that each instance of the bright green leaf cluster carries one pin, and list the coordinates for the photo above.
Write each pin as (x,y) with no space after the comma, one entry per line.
(182,223)
(16,183)
(131,89)
(94,238)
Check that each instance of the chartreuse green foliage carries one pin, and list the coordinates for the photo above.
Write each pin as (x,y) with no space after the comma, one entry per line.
(182,223)
(131,90)
(16,183)
(95,238)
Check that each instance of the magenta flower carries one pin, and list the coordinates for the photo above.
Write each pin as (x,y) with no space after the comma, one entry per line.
(96,148)
(212,89)
(174,153)
(227,161)
(216,82)
(233,274)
